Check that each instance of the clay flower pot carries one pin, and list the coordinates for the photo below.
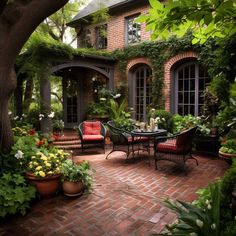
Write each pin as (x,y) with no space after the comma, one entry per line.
(72,189)
(47,187)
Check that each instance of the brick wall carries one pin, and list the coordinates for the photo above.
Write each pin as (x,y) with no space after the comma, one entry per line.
(168,71)
(116,29)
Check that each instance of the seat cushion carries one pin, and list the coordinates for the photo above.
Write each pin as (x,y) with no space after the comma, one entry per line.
(137,139)
(91,127)
(92,137)
(169,146)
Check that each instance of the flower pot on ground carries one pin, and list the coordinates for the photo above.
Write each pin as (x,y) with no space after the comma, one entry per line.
(76,178)
(228,149)
(40,161)
(47,187)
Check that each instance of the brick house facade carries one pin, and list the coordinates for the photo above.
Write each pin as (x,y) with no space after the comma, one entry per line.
(183,76)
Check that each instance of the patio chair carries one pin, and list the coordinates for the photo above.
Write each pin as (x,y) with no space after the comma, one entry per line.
(176,148)
(92,134)
(123,141)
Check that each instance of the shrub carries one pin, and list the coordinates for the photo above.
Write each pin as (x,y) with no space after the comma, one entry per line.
(15,194)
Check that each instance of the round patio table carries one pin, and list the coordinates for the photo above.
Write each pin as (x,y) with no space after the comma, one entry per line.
(151,135)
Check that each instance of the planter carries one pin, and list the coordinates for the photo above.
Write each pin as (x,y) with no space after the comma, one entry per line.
(47,187)
(73,189)
(227,155)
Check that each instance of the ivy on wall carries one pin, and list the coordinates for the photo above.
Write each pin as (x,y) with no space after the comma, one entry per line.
(157,53)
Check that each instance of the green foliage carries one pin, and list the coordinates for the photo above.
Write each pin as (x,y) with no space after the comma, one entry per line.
(15,194)
(74,172)
(227,187)
(158,53)
(193,220)
(185,122)
(206,18)
(229,146)
(120,115)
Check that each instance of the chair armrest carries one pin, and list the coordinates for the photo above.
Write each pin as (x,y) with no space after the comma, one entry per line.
(80,131)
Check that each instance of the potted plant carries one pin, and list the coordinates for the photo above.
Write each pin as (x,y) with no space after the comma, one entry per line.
(228,145)
(40,163)
(75,177)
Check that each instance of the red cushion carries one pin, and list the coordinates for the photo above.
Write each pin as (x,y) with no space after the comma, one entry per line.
(169,146)
(92,137)
(91,128)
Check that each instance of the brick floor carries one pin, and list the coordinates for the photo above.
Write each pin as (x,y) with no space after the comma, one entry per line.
(126,200)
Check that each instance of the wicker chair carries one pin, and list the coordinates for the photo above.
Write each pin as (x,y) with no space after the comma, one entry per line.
(176,148)
(123,141)
(92,134)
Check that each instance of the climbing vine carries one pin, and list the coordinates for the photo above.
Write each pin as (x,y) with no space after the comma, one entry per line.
(157,53)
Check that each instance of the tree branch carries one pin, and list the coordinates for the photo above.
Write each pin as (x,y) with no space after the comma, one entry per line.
(60,99)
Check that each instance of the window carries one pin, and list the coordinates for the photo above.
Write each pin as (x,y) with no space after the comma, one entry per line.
(142,91)
(133,30)
(191,80)
(101,37)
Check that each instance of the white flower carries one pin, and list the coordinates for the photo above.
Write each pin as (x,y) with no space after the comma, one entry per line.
(103,99)
(163,119)
(16,118)
(95,90)
(207,202)
(94,79)
(19,154)
(213,226)
(9,113)
(117,95)
(41,116)
(199,223)
(131,108)
(24,115)
(51,115)
(193,234)
(209,206)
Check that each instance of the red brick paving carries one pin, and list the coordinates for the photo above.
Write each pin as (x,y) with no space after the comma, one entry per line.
(127,199)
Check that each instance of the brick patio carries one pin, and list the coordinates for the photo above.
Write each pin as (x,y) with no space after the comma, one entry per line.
(127,198)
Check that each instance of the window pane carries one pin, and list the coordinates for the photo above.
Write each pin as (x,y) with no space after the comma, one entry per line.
(133,30)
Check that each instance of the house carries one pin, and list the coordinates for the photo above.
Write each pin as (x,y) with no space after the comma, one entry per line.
(184,78)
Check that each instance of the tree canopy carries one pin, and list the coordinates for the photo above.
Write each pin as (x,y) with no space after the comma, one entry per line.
(205,18)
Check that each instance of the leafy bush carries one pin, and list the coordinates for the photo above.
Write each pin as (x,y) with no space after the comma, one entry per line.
(74,172)
(185,122)
(15,194)
(194,220)
(120,115)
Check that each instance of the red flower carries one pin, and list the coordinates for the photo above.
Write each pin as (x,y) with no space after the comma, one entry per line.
(55,136)
(40,143)
(32,132)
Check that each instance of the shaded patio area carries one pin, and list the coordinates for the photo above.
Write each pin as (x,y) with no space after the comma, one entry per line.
(127,198)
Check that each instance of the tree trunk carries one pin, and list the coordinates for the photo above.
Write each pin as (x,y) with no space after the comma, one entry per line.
(28,94)
(18,20)
(18,97)
(7,86)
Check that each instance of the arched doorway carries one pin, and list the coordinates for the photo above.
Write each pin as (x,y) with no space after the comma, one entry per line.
(140,90)
(190,80)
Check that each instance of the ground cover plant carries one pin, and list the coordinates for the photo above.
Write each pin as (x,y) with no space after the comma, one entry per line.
(210,214)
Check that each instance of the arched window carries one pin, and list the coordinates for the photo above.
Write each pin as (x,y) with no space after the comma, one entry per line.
(142,78)
(190,81)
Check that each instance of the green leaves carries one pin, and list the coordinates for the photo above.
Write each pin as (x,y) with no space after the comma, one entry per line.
(15,194)
(209,18)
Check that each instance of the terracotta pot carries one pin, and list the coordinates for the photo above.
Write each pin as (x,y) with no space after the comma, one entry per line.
(72,189)
(47,187)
